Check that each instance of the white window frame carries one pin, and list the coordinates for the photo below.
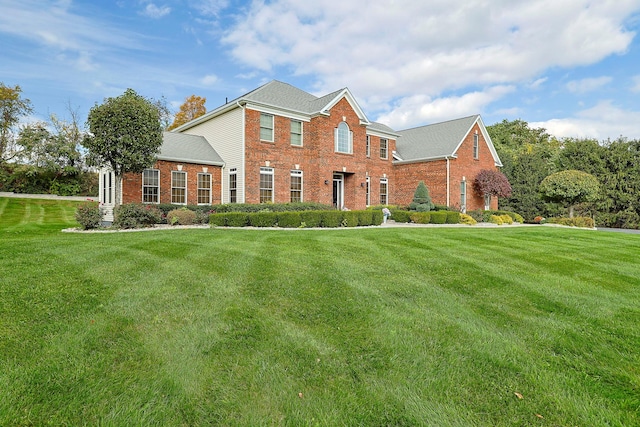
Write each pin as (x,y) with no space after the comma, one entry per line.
(368,191)
(266,129)
(384,148)
(203,190)
(384,194)
(476,146)
(463,196)
(296,133)
(264,171)
(487,202)
(343,135)
(296,174)
(368,147)
(146,186)
(233,189)
(175,198)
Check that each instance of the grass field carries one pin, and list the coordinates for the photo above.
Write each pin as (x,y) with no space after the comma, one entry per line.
(513,326)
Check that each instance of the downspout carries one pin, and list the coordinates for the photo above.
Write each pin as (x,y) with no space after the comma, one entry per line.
(448,173)
(242,157)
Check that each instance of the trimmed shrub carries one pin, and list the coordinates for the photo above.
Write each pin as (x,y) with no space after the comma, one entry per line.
(289,219)
(89,215)
(421,217)
(331,219)
(182,216)
(377,218)
(236,219)
(136,215)
(263,219)
(578,221)
(219,220)
(453,217)
(365,218)
(311,219)
(400,215)
(506,219)
(271,207)
(439,217)
(467,219)
(495,219)
(350,219)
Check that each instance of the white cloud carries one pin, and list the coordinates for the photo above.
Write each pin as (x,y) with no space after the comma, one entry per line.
(536,84)
(209,80)
(155,12)
(602,121)
(209,7)
(419,50)
(588,84)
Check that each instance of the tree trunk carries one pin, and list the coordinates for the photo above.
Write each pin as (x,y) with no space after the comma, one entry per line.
(570,211)
(118,190)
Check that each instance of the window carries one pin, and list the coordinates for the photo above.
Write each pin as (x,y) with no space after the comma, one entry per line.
(384,186)
(383,148)
(266,127)
(266,185)
(368,191)
(204,188)
(368,148)
(151,186)
(463,196)
(233,185)
(107,187)
(296,133)
(475,146)
(178,188)
(296,186)
(344,139)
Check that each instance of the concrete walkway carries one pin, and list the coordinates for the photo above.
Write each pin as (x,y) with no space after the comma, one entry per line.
(47,196)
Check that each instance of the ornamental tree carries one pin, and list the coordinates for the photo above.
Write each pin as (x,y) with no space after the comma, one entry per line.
(570,187)
(12,108)
(192,108)
(125,135)
(492,182)
(421,199)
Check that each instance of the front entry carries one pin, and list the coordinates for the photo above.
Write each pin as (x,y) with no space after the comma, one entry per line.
(338,190)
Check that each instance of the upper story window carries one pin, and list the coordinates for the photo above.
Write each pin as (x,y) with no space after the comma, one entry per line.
(384,148)
(266,127)
(475,146)
(151,186)
(296,133)
(368,147)
(178,187)
(344,139)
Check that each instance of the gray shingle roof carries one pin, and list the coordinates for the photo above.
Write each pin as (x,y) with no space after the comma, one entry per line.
(181,147)
(433,141)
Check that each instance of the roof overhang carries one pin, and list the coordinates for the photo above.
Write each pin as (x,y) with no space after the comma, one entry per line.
(191,161)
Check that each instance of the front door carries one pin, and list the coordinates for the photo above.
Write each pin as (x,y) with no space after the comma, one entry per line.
(338,190)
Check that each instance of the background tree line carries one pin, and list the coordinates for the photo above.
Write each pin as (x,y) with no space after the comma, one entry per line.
(531,154)
(54,156)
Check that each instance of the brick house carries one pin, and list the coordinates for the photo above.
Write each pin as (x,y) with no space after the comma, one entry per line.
(281,144)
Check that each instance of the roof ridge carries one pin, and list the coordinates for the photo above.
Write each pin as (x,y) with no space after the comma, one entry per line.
(441,123)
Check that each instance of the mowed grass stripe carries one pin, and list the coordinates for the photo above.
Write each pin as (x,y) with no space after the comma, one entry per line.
(373,327)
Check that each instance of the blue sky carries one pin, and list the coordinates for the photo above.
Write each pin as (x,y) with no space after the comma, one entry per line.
(571,66)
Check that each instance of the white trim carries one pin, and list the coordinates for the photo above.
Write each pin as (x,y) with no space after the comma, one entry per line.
(267,171)
(198,188)
(185,187)
(278,112)
(297,172)
(273,127)
(346,93)
(301,132)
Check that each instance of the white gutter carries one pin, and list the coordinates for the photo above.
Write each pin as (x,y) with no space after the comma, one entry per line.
(242,161)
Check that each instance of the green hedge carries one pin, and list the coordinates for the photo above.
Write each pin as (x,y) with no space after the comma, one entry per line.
(307,219)
(420,217)
(485,216)
(400,215)
(578,221)
(270,207)
(453,217)
(289,219)
(439,217)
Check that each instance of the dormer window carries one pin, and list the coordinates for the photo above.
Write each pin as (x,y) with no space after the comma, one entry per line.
(344,138)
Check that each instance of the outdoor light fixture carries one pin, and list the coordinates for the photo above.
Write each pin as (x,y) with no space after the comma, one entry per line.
(326,182)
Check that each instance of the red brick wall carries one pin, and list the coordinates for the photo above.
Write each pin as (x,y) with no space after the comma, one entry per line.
(132,182)
(317,159)
(434,175)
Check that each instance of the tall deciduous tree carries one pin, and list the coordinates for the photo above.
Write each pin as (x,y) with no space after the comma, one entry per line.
(570,187)
(125,135)
(12,108)
(192,108)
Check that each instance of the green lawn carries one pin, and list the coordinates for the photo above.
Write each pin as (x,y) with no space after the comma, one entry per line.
(358,327)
